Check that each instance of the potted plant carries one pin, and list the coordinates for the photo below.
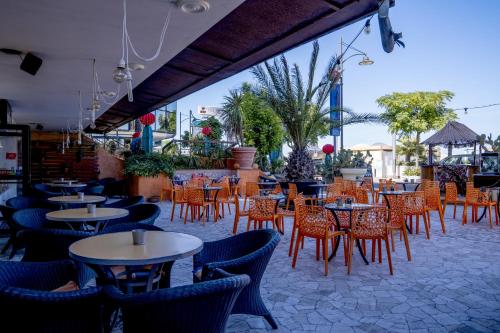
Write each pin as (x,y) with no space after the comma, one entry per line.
(351,165)
(147,173)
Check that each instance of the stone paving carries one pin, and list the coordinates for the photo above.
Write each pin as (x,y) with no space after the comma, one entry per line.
(452,284)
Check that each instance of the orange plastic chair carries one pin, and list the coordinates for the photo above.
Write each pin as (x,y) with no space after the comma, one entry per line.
(471,197)
(370,225)
(451,197)
(334,189)
(237,213)
(251,189)
(433,203)
(196,203)
(178,198)
(362,195)
(485,201)
(262,209)
(292,194)
(415,206)
(318,225)
(167,189)
(397,220)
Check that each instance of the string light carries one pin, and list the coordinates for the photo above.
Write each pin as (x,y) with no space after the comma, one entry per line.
(467,108)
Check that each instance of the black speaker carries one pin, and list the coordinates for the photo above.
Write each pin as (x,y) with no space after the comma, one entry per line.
(31,63)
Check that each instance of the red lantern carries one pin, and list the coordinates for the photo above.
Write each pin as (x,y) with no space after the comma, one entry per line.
(328,149)
(147,119)
(206,131)
(136,135)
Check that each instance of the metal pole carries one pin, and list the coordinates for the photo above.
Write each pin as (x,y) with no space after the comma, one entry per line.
(180,125)
(341,100)
(190,122)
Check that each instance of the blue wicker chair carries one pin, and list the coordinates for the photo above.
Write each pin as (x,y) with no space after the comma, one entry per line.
(23,202)
(203,307)
(31,218)
(43,245)
(246,253)
(143,213)
(28,305)
(7,213)
(94,190)
(125,203)
(46,191)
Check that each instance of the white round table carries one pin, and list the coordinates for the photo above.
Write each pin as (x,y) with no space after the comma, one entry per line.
(80,216)
(65,181)
(160,250)
(73,199)
(67,185)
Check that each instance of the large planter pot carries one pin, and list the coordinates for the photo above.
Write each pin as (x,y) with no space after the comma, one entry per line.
(352,173)
(244,156)
(146,186)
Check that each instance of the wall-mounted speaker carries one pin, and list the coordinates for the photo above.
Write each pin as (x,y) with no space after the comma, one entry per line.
(31,63)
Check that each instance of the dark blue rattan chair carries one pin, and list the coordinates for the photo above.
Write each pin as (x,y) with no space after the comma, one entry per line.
(246,253)
(143,213)
(7,213)
(23,202)
(43,245)
(129,227)
(203,307)
(125,203)
(28,305)
(31,218)
(46,191)
(94,190)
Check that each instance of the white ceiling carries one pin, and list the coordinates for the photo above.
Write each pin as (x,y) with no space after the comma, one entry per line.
(68,34)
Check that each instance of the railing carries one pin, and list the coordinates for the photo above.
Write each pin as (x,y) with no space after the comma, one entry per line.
(206,148)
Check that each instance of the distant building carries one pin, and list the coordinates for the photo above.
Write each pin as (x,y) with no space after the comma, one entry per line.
(382,158)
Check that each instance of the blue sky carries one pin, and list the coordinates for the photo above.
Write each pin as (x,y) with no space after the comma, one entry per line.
(450,44)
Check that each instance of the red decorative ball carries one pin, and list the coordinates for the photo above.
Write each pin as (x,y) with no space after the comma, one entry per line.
(328,148)
(147,119)
(136,135)
(206,131)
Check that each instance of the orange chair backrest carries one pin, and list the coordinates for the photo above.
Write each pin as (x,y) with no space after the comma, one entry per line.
(432,197)
(195,195)
(415,202)
(362,195)
(451,193)
(334,189)
(262,208)
(292,191)
(251,189)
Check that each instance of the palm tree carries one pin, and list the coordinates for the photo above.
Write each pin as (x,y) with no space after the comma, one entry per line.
(301,106)
(232,115)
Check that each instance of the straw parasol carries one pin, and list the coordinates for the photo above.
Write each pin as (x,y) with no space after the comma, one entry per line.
(453,134)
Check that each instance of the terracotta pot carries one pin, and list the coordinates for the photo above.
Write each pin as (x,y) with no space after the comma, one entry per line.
(352,173)
(146,186)
(244,156)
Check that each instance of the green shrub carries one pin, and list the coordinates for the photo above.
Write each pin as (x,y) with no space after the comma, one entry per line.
(411,171)
(149,165)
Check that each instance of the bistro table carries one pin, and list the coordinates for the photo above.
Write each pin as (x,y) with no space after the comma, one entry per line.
(160,250)
(396,205)
(334,208)
(265,187)
(405,184)
(68,187)
(81,216)
(319,188)
(74,199)
(63,181)
(207,191)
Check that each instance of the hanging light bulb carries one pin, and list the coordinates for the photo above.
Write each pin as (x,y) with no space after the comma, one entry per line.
(129,93)
(121,72)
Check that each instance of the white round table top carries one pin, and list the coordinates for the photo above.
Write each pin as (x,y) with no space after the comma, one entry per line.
(82,215)
(65,181)
(118,248)
(73,199)
(67,184)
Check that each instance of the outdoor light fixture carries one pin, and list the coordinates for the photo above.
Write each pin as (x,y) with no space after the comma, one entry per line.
(366,61)
(193,6)
(121,73)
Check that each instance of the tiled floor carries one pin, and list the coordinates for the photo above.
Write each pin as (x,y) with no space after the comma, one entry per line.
(452,284)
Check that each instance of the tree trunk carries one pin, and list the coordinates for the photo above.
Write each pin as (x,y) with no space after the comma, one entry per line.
(416,151)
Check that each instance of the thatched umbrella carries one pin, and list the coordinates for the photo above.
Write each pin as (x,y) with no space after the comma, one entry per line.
(453,134)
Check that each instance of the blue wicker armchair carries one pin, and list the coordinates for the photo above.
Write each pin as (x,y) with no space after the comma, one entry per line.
(125,203)
(94,190)
(45,191)
(43,245)
(203,307)
(23,202)
(31,218)
(143,213)
(246,253)
(28,305)
(7,213)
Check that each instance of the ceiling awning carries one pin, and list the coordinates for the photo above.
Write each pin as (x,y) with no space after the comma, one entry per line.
(253,32)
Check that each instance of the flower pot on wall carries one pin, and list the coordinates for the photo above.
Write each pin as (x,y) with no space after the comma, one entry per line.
(244,156)
(352,173)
